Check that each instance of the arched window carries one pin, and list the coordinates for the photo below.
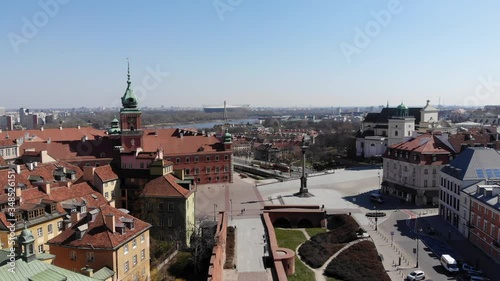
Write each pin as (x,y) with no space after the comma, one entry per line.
(396,133)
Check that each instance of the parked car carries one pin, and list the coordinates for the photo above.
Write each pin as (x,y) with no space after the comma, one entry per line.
(470,269)
(416,275)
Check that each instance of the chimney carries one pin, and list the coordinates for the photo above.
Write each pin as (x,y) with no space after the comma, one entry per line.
(49,140)
(16,168)
(75,217)
(110,222)
(46,188)
(18,191)
(60,127)
(87,271)
(30,166)
(181,135)
(78,127)
(41,128)
(88,173)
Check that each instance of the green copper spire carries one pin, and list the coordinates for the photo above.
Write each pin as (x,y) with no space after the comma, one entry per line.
(129,100)
(228,138)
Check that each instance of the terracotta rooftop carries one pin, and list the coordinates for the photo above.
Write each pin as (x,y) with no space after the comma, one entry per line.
(172,143)
(165,186)
(98,235)
(7,142)
(2,161)
(425,144)
(106,173)
(57,135)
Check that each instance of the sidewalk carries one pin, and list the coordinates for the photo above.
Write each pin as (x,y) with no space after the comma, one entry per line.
(389,254)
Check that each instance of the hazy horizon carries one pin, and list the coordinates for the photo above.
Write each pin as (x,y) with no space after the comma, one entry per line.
(68,54)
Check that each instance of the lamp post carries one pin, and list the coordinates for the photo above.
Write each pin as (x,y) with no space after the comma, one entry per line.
(215,206)
(231,209)
(379,186)
(376,217)
(416,232)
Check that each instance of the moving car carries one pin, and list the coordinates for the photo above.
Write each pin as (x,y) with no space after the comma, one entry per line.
(416,275)
(376,197)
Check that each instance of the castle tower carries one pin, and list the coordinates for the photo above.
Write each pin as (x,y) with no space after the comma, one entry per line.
(27,242)
(130,118)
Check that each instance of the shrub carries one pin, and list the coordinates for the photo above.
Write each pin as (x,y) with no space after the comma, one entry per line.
(316,251)
(360,262)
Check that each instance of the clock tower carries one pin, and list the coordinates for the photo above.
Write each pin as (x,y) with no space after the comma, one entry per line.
(130,119)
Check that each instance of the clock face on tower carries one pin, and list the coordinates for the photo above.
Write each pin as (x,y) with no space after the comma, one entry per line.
(131,120)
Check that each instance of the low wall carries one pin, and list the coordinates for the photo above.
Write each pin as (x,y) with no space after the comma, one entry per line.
(297,217)
(218,258)
(283,260)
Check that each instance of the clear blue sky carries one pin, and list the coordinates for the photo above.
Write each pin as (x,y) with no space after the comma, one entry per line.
(260,52)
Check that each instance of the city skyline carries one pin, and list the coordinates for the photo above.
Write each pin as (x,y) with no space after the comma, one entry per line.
(69,54)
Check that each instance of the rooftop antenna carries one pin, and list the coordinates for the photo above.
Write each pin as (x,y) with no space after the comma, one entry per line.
(128,71)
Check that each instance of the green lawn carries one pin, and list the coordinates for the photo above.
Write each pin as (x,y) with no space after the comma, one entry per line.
(331,279)
(289,238)
(315,230)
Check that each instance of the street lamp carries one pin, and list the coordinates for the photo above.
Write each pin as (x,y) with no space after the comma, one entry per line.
(379,186)
(416,233)
(376,217)
(231,201)
(215,206)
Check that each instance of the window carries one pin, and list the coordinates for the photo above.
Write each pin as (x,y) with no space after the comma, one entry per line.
(161,222)
(187,160)
(59,225)
(39,231)
(425,183)
(217,158)
(186,171)
(40,249)
(170,207)
(426,172)
(136,277)
(142,238)
(125,267)
(169,221)
(90,256)
(226,157)
(143,254)
(217,178)
(208,170)
(217,169)
(226,168)
(49,228)
(396,133)
(433,171)
(160,207)
(141,165)
(134,260)
(72,255)
(143,272)
(196,171)
(106,195)
(196,159)
(433,183)
(134,243)
(208,158)
(125,249)
(177,160)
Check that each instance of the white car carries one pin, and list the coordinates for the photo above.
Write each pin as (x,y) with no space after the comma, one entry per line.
(416,275)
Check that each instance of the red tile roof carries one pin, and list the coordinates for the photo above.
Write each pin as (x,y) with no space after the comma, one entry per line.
(7,142)
(2,161)
(98,235)
(165,186)
(106,173)
(173,144)
(425,144)
(66,134)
